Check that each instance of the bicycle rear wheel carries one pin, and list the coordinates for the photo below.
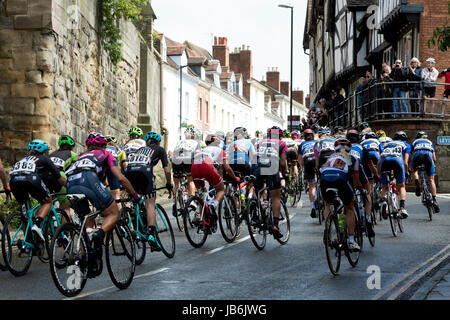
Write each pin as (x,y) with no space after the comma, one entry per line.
(255,223)
(165,235)
(179,207)
(120,255)
(284,225)
(333,247)
(2,265)
(16,254)
(372,226)
(353,255)
(428,202)
(69,259)
(130,219)
(392,219)
(53,222)
(192,221)
(228,219)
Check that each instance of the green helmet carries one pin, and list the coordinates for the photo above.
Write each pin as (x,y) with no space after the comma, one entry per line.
(135,131)
(66,140)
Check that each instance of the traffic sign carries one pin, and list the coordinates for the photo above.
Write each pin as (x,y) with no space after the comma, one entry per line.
(445,141)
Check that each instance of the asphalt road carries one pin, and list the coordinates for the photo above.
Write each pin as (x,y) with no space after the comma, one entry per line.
(295,271)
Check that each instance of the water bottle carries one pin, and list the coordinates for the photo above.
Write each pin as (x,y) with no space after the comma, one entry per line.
(341,223)
(90,233)
(265,204)
(243,197)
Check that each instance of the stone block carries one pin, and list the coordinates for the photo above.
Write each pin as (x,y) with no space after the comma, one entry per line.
(12,76)
(10,38)
(44,107)
(33,77)
(24,59)
(44,41)
(25,91)
(16,7)
(23,22)
(6,64)
(48,78)
(18,106)
(45,61)
(5,90)
(45,91)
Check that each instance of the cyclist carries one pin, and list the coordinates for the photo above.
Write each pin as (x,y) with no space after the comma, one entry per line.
(221,136)
(296,136)
(241,152)
(424,154)
(63,159)
(395,157)
(324,147)
(382,136)
(140,173)
(136,142)
(121,158)
(4,178)
(338,172)
(206,165)
(307,163)
(374,149)
(292,152)
(183,156)
(359,154)
(364,126)
(85,176)
(339,132)
(271,160)
(36,175)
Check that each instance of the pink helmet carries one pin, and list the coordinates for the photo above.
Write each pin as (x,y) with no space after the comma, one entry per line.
(96,138)
(295,135)
(274,131)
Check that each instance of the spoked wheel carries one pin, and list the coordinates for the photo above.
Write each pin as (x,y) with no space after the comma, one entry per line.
(2,223)
(130,219)
(353,255)
(69,259)
(429,204)
(53,222)
(166,237)
(192,221)
(284,225)
(17,255)
(120,255)
(333,247)
(228,219)
(392,219)
(255,224)
(401,227)
(372,226)
(179,207)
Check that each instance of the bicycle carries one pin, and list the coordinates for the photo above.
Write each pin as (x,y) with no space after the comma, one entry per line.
(318,202)
(260,218)
(376,199)
(19,243)
(360,204)
(292,187)
(182,195)
(136,219)
(427,199)
(229,216)
(392,209)
(73,259)
(336,235)
(2,223)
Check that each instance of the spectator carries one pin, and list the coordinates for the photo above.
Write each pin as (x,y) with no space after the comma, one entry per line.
(429,76)
(385,91)
(399,74)
(323,116)
(415,89)
(359,97)
(446,74)
(338,107)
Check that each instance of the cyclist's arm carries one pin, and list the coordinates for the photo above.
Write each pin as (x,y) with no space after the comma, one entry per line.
(122,180)
(434,157)
(284,164)
(55,172)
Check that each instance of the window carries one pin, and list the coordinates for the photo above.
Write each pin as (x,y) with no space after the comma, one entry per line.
(343,29)
(199,110)
(207,112)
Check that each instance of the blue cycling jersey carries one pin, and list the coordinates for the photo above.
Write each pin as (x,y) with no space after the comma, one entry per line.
(306,150)
(239,152)
(422,146)
(373,145)
(396,149)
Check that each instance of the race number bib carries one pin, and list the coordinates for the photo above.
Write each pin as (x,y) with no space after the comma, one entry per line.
(423,146)
(58,162)
(82,164)
(355,154)
(392,152)
(24,166)
(138,159)
(373,146)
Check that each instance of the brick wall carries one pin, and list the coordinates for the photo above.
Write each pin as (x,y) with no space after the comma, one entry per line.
(285,88)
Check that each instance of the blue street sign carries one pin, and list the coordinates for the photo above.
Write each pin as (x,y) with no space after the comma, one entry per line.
(443,141)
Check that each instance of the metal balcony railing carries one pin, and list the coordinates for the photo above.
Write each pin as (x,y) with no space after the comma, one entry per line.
(376,102)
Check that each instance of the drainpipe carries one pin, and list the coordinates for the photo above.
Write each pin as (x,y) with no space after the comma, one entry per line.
(161,100)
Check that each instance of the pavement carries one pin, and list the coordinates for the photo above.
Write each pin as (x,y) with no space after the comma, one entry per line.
(437,287)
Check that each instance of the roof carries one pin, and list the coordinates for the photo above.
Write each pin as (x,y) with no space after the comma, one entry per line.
(360,3)
(175,50)
(212,66)
(197,51)
(226,75)
(196,60)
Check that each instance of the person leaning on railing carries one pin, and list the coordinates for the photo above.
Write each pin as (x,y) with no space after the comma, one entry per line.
(385,91)
(399,74)
(415,89)
(429,76)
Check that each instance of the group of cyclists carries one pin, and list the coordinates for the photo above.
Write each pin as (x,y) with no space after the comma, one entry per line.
(343,159)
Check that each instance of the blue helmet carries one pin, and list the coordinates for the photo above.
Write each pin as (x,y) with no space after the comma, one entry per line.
(152,135)
(38,145)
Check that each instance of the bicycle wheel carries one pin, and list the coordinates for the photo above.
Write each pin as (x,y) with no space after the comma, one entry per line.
(401,227)
(353,255)
(120,255)
(256,225)
(69,259)
(165,235)
(52,223)
(16,254)
(192,220)
(228,219)
(284,224)
(2,265)
(392,218)
(130,219)
(333,247)
(429,203)
(179,207)
(371,225)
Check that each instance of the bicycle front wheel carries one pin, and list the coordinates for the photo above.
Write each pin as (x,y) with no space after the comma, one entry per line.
(140,243)
(333,247)
(255,223)
(193,216)
(17,254)
(284,224)
(179,208)
(228,219)
(69,259)
(353,255)
(120,255)
(2,223)
(165,235)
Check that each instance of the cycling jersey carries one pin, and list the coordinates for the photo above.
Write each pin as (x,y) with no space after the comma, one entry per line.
(306,150)
(324,145)
(184,151)
(269,152)
(395,149)
(206,163)
(358,153)
(211,154)
(423,155)
(97,161)
(291,144)
(392,158)
(63,159)
(134,145)
(118,153)
(239,152)
(385,140)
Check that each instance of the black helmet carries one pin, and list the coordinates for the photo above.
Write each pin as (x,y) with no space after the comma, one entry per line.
(371,135)
(400,135)
(363,126)
(352,134)
(240,131)
(420,134)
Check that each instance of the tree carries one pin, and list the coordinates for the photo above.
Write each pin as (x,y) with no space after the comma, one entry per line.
(441,36)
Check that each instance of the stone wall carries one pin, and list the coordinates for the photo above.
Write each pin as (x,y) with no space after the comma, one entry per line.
(56,79)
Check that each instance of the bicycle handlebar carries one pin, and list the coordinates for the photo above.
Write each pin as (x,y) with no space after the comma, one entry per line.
(8,196)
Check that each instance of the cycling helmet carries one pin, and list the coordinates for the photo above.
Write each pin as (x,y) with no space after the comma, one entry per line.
(337,129)
(327,131)
(381,134)
(400,135)
(38,145)
(212,138)
(66,140)
(363,125)
(152,135)
(240,131)
(370,135)
(295,135)
(135,131)
(286,134)
(352,135)
(189,131)
(420,134)
(111,138)
(96,138)
(221,135)
(342,143)
(274,131)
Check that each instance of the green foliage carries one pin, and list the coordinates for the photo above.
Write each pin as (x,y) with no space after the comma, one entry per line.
(186,125)
(12,207)
(111,13)
(441,36)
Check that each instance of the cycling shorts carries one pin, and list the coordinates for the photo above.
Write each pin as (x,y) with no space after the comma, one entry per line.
(425,159)
(339,181)
(243,170)
(114,184)
(142,180)
(310,173)
(291,155)
(206,170)
(88,183)
(273,182)
(180,169)
(31,184)
(396,164)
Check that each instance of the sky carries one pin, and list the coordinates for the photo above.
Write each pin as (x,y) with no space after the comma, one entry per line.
(260,24)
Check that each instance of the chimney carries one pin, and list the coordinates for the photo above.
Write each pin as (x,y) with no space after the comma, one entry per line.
(307,101)
(273,78)
(285,88)
(221,51)
(298,95)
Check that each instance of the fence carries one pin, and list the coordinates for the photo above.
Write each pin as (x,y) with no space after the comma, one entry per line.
(377,102)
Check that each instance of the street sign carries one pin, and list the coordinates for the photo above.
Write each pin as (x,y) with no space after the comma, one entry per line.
(444,141)
(295,121)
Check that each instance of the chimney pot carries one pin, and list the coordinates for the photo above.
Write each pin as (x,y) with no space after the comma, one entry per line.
(215,41)
(248,47)
(243,47)
(225,41)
